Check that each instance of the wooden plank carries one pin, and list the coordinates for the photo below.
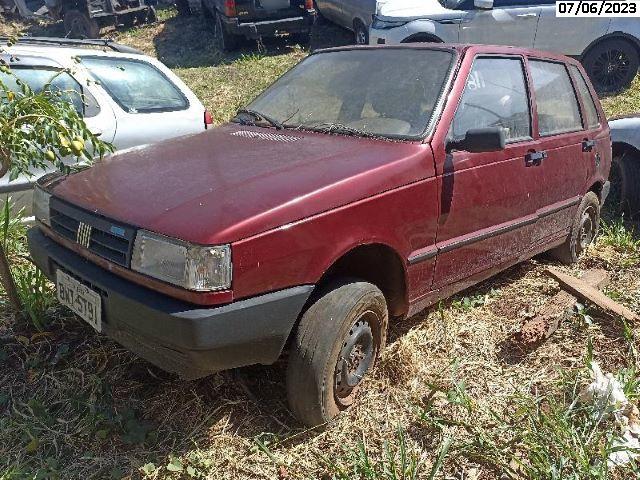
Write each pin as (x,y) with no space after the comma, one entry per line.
(591,294)
(556,310)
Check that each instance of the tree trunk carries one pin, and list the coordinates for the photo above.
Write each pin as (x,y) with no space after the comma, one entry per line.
(8,282)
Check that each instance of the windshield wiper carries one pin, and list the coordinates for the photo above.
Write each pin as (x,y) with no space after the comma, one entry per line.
(341,128)
(260,117)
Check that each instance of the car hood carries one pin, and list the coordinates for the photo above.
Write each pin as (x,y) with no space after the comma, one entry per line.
(413,9)
(234,182)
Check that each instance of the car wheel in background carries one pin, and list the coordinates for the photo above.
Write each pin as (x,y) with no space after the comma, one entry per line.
(625,184)
(612,65)
(79,25)
(361,33)
(584,229)
(225,41)
(336,344)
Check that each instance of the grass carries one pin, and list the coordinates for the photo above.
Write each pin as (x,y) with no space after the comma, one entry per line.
(448,399)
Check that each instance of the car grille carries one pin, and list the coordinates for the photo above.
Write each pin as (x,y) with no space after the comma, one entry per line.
(108,239)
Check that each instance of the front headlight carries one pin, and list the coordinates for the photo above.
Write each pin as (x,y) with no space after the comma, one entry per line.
(41,205)
(194,267)
(379,24)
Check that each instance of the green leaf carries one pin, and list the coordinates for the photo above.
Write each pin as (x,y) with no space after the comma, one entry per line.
(175,465)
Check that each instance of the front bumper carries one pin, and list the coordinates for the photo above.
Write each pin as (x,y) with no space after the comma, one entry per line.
(177,336)
(268,28)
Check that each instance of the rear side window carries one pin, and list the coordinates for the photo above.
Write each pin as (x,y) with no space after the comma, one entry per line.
(56,81)
(558,110)
(590,110)
(136,86)
(495,96)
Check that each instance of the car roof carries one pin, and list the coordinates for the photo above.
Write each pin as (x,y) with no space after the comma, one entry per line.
(34,52)
(461,48)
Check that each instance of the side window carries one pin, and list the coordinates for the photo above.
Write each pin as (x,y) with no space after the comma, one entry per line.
(136,86)
(69,89)
(590,110)
(558,110)
(495,96)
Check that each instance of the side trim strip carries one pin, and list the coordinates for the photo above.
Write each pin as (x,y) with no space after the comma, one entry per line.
(430,252)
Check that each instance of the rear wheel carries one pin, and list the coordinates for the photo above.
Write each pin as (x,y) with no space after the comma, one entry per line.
(625,183)
(583,230)
(336,344)
(612,65)
(226,41)
(79,25)
(361,33)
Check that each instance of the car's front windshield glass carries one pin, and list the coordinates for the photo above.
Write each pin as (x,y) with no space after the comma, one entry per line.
(380,92)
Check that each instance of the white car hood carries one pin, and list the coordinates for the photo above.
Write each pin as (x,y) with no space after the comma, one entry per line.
(409,9)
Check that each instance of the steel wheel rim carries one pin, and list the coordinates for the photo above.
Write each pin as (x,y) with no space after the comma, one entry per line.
(356,357)
(587,229)
(611,68)
(361,37)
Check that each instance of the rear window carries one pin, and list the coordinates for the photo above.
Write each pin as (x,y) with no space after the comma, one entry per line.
(558,110)
(136,86)
(590,110)
(56,81)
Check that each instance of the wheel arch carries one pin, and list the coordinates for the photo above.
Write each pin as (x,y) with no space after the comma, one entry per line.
(378,264)
(422,37)
(620,148)
(617,35)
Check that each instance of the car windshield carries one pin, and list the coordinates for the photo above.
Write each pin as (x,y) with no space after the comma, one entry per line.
(349,92)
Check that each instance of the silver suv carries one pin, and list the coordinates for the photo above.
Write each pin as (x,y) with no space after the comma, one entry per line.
(125,97)
(609,48)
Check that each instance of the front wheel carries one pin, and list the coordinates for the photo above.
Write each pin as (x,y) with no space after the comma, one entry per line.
(337,343)
(612,65)
(583,230)
(625,184)
(361,33)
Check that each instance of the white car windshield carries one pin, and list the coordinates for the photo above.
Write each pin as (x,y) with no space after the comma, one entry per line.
(349,92)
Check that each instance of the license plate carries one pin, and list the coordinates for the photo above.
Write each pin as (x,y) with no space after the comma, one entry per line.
(83,301)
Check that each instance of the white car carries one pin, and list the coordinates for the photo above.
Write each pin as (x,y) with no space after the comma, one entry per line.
(609,48)
(130,99)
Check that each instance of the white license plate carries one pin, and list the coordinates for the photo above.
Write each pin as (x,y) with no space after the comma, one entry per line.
(83,301)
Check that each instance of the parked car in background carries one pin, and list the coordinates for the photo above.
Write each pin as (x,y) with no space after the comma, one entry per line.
(342,198)
(609,48)
(254,19)
(355,15)
(625,168)
(125,97)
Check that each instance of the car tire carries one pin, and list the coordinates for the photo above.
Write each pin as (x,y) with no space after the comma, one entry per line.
(612,65)
(584,229)
(225,41)
(625,183)
(347,321)
(360,32)
(302,38)
(79,25)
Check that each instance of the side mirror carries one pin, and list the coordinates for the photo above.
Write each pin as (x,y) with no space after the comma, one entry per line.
(483,4)
(478,140)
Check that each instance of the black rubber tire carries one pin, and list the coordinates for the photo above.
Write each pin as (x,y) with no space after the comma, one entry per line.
(360,33)
(625,183)
(79,25)
(226,41)
(317,347)
(302,38)
(616,52)
(572,248)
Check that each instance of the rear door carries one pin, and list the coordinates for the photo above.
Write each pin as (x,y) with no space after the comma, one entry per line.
(566,166)
(509,22)
(488,200)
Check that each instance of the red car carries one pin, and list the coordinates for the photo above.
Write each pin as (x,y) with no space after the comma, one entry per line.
(364,185)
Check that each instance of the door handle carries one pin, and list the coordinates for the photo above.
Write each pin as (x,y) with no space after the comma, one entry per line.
(527,15)
(587,145)
(534,158)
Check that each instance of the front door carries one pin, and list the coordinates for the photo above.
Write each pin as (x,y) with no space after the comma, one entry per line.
(488,200)
(509,22)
